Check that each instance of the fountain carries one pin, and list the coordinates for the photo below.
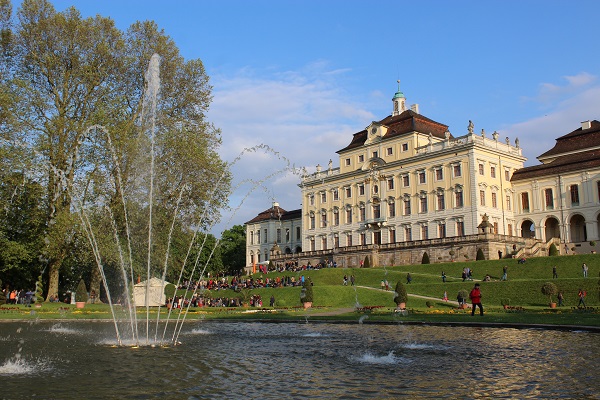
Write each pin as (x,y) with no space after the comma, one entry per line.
(123,246)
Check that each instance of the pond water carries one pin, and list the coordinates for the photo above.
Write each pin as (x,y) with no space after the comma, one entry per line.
(227,360)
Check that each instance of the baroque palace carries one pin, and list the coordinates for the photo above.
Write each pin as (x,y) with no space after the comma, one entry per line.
(406,186)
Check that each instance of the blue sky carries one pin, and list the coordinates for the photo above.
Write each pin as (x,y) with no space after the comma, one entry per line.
(303,76)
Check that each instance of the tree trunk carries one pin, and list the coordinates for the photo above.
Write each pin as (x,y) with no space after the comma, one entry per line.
(95,284)
(53,274)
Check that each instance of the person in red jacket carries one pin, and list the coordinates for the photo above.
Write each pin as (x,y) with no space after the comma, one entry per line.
(475,297)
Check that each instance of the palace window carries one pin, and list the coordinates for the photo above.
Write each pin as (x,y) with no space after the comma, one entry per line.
(494,200)
(506,175)
(525,201)
(361,158)
(424,232)
(406,181)
(404,146)
(440,201)
(457,170)
(390,151)
(392,236)
(323,197)
(336,216)
(390,184)
(311,221)
(481,172)
(298,233)
(347,162)
(407,233)
(421,176)
(493,171)
(336,195)
(348,215)
(348,192)
(391,209)
(508,206)
(458,195)
(361,190)
(574,195)
(376,211)
(482,197)
(323,219)
(439,174)
(363,239)
(460,228)
(349,239)
(278,235)
(362,214)
(407,206)
(423,203)
(324,243)
(442,230)
(549,199)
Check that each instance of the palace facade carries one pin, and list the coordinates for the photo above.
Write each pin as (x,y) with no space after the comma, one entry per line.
(405,185)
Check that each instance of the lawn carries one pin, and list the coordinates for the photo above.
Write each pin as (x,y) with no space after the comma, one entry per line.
(523,289)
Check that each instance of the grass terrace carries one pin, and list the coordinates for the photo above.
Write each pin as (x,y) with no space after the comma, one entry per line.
(367,302)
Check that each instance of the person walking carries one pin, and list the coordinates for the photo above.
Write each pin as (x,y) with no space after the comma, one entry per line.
(352,279)
(554,273)
(561,299)
(581,295)
(504,273)
(408,278)
(444,276)
(475,297)
(584,268)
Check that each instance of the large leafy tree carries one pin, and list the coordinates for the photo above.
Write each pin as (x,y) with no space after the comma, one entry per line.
(62,75)
(233,249)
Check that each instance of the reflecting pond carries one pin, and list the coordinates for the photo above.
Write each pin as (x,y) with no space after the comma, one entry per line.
(228,360)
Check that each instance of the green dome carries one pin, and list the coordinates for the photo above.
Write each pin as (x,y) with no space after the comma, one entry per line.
(398,95)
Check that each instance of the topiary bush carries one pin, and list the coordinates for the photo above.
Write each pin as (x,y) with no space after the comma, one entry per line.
(462,296)
(306,295)
(39,295)
(81,292)
(425,258)
(170,291)
(549,289)
(480,255)
(401,296)
(552,251)
(367,263)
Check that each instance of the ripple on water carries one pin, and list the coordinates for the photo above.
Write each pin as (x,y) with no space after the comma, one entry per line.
(20,366)
(388,359)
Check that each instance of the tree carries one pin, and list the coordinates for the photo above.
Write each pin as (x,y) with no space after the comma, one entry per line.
(552,251)
(425,258)
(367,263)
(233,249)
(63,74)
(401,295)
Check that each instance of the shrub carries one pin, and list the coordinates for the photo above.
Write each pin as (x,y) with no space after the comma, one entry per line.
(39,295)
(480,255)
(306,295)
(425,259)
(592,243)
(401,296)
(81,292)
(552,251)
(505,302)
(2,295)
(367,263)
(429,304)
(549,289)
(462,296)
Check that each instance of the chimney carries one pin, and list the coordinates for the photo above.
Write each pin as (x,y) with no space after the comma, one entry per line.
(586,124)
(415,108)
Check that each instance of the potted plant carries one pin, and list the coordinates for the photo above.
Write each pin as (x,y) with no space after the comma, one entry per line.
(549,289)
(306,295)
(401,296)
(461,297)
(505,303)
(81,295)
(452,253)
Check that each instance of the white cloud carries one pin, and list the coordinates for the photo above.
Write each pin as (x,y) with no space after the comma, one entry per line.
(549,93)
(303,116)
(538,134)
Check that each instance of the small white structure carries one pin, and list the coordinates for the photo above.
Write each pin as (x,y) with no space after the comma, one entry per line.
(156,293)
